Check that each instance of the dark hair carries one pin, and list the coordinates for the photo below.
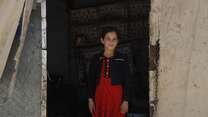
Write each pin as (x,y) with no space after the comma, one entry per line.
(108,29)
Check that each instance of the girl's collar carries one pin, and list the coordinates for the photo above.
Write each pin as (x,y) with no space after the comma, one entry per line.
(101,55)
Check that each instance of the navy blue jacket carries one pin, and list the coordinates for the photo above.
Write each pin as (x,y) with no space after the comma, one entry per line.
(119,73)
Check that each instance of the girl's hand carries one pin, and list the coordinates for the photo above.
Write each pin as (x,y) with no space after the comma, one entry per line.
(91,106)
(124,107)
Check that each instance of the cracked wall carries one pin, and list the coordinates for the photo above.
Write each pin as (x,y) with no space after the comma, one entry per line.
(181,27)
(8,25)
(25,100)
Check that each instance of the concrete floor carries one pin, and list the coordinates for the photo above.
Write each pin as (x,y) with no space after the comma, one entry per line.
(25,100)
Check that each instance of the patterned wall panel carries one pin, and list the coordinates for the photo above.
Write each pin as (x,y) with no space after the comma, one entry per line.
(117,10)
(87,33)
(83,15)
(138,9)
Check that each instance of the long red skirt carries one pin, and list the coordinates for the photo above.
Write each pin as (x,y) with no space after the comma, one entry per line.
(108,99)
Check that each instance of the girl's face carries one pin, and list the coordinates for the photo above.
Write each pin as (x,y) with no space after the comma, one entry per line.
(110,40)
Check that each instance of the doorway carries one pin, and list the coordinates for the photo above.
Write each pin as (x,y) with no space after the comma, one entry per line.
(73,38)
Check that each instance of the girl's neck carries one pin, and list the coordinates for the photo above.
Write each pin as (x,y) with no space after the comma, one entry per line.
(108,53)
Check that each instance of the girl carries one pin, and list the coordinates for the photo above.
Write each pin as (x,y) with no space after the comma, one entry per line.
(108,79)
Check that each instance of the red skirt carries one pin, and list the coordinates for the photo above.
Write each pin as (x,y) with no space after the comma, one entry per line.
(108,99)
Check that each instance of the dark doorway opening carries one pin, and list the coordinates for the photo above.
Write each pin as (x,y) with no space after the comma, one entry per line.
(73,29)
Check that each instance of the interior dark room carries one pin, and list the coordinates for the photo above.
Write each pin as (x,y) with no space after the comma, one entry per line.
(73,30)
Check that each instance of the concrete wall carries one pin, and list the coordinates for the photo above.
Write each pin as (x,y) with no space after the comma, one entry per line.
(181,26)
(10,12)
(25,101)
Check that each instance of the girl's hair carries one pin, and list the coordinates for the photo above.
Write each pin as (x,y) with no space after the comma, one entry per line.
(108,29)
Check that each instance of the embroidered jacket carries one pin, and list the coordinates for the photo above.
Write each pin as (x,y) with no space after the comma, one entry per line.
(119,72)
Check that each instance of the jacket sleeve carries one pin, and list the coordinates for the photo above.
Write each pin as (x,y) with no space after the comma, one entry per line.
(127,77)
(90,80)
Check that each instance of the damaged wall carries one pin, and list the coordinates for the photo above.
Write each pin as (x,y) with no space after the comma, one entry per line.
(181,27)
(8,25)
(20,96)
